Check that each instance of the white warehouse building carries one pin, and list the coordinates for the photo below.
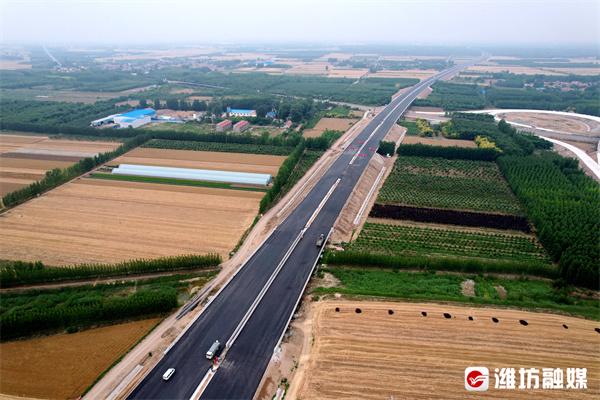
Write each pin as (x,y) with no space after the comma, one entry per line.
(131,119)
(244,178)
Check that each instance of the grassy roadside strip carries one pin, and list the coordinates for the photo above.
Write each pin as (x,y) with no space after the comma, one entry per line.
(15,273)
(533,295)
(173,181)
(453,264)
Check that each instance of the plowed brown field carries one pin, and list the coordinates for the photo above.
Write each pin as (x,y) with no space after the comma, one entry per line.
(63,366)
(375,355)
(99,221)
(336,124)
(257,163)
(25,159)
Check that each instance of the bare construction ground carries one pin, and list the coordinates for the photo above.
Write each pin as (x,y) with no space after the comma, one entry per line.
(561,123)
(98,221)
(26,158)
(391,351)
(258,163)
(63,366)
(336,124)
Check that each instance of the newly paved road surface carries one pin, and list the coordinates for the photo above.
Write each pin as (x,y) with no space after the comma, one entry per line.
(248,357)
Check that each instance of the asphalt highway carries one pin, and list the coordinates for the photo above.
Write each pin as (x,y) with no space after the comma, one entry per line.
(246,360)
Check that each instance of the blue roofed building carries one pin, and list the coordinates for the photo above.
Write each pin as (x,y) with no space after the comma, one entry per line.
(240,112)
(131,119)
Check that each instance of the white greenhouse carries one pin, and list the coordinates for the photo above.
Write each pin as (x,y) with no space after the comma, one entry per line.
(245,178)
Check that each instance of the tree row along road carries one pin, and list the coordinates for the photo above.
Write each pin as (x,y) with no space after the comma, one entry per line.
(246,360)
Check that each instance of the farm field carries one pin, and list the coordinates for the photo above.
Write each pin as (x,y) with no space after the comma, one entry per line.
(515,69)
(257,163)
(57,361)
(69,96)
(541,69)
(450,184)
(26,158)
(14,65)
(399,355)
(219,146)
(439,141)
(335,124)
(354,73)
(406,73)
(102,221)
(412,239)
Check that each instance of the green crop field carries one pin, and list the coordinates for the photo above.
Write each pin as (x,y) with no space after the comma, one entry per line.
(411,127)
(219,146)
(524,293)
(421,240)
(449,184)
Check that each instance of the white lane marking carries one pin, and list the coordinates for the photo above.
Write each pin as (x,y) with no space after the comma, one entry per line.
(203,384)
(368,198)
(209,302)
(321,204)
(417,90)
(365,142)
(303,289)
(261,294)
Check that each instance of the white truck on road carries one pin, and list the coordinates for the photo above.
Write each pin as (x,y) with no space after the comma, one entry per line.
(213,350)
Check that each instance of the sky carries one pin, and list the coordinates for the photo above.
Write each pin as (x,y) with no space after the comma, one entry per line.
(540,22)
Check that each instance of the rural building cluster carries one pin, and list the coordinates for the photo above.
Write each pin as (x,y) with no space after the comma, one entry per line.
(140,117)
(131,119)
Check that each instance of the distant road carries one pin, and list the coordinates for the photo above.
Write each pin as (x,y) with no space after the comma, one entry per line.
(196,84)
(276,275)
(52,57)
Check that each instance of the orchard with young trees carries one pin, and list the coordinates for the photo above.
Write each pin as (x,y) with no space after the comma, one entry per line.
(562,202)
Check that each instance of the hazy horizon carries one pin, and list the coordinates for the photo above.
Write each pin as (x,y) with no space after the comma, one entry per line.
(309,22)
